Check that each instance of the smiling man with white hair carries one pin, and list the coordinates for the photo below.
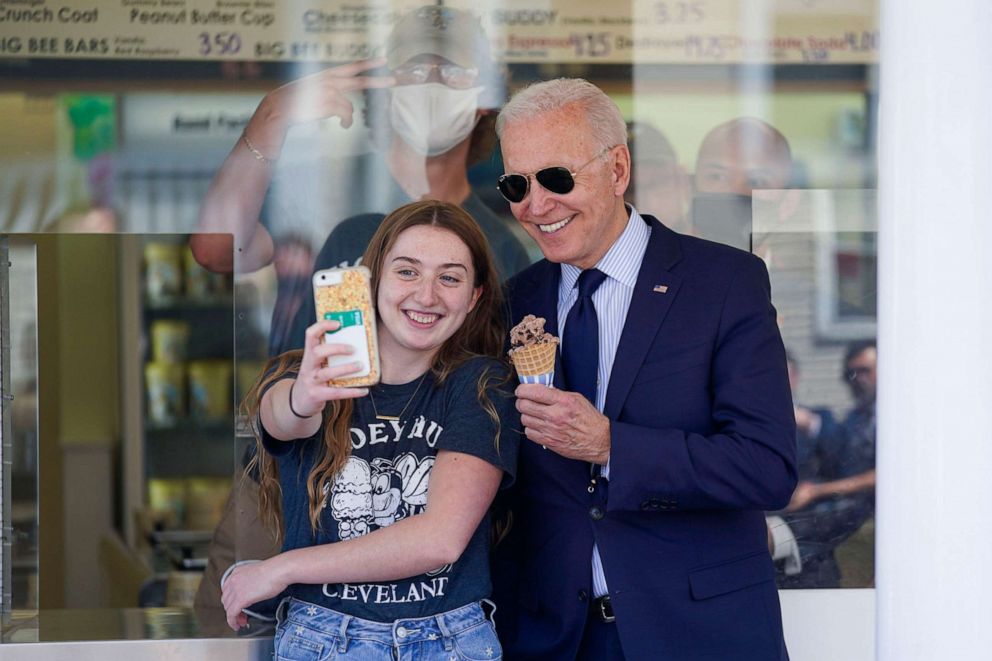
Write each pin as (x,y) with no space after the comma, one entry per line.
(638,509)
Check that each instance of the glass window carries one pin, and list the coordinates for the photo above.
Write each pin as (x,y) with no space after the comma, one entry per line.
(168,185)
(819,246)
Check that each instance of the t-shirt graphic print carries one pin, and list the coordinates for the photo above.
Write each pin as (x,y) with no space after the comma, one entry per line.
(369,495)
(386,480)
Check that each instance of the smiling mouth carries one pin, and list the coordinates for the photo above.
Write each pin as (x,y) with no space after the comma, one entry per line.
(422,317)
(551,228)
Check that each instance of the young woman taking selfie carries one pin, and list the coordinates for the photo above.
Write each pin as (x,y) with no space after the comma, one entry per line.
(382,493)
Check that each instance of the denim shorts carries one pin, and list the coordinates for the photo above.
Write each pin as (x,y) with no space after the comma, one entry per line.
(307,632)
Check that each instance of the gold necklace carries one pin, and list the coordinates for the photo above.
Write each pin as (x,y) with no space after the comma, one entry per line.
(405,406)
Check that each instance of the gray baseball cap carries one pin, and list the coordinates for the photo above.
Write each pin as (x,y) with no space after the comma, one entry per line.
(453,34)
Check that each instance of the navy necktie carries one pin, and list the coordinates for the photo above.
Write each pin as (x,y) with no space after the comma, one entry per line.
(580,344)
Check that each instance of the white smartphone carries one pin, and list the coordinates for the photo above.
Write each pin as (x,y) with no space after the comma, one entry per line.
(345,295)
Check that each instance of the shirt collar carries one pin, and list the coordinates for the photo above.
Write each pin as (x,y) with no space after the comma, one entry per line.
(623,260)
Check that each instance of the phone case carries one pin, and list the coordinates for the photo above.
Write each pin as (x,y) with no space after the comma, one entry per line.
(345,295)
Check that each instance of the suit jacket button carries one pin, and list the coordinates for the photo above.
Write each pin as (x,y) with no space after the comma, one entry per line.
(652,504)
(596,512)
(583,595)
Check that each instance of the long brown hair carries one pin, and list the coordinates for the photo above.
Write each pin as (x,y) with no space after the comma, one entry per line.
(481,334)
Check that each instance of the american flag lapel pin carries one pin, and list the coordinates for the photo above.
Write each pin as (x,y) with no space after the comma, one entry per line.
(661,289)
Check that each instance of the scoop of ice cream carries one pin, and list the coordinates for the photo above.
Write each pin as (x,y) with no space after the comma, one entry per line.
(351,493)
(530,331)
(533,350)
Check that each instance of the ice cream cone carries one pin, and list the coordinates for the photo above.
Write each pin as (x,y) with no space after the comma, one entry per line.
(535,363)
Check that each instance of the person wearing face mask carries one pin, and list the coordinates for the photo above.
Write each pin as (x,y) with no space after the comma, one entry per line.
(734,159)
(434,121)
(429,118)
(433,117)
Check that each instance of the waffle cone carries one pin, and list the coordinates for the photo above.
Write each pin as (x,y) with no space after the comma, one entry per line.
(534,359)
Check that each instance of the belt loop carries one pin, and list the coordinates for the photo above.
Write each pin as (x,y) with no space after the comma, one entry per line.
(445,634)
(281,610)
(603,607)
(343,634)
(490,613)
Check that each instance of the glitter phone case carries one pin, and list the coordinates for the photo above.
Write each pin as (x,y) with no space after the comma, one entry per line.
(345,295)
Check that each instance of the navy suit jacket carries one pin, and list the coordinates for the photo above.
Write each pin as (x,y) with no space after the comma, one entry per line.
(703,442)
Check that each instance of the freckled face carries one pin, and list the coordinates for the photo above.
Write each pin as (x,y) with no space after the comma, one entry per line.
(577,227)
(425,293)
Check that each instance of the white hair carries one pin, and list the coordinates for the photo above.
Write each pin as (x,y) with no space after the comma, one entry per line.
(605,121)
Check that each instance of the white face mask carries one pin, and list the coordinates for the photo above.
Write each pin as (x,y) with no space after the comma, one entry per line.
(432,118)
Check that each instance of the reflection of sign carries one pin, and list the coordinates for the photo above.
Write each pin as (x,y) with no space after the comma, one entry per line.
(644,31)
(185,117)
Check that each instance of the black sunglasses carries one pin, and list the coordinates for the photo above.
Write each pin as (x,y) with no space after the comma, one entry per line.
(559,180)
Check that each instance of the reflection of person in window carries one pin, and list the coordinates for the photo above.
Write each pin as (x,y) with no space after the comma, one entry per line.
(859,429)
(293,261)
(430,118)
(735,159)
(658,182)
(742,155)
(835,495)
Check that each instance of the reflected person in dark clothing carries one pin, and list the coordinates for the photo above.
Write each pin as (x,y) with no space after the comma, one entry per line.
(293,261)
(429,106)
(658,181)
(836,491)
(435,122)
(735,159)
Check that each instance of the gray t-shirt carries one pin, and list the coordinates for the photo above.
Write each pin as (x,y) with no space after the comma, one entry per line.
(385,480)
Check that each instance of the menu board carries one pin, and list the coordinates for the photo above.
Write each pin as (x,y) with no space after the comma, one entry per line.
(635,32)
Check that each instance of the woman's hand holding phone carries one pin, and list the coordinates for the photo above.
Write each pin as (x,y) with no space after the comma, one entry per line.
(344,295)
(311,391)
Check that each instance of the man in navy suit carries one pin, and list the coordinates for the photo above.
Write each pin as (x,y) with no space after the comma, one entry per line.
(638,528)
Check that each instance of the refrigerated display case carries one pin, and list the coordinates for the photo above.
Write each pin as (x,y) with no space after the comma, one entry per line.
(178,345)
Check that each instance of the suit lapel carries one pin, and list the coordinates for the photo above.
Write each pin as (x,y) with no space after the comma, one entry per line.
(536,292)
(654,293)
